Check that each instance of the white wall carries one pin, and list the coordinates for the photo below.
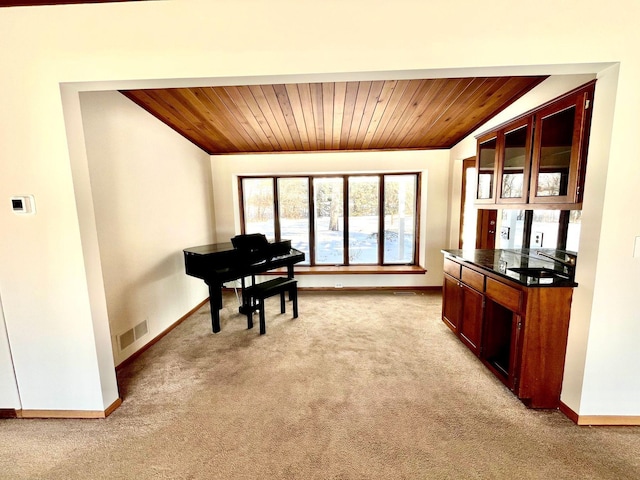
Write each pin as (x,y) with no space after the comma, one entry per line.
(152,196)
(612,272)
(9,396)
(54,308)
(433,164)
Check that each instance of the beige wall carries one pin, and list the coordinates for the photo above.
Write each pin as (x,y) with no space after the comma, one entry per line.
(50,281)
(152,195)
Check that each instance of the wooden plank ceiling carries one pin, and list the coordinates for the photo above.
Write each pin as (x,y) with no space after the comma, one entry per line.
(309,117)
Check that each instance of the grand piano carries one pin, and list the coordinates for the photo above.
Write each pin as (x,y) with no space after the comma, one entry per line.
(245,256)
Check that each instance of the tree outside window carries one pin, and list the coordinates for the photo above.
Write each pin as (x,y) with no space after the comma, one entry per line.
(311,212)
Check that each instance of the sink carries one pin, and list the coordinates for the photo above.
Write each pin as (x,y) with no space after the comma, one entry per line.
(539,272)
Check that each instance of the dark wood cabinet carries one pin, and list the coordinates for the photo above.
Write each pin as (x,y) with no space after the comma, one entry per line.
(500,345)
(559,150)
(503,163)
(462,303)
(486,165)
(539,158)
(451,303)
(470,328)
(518,332)
(515,162)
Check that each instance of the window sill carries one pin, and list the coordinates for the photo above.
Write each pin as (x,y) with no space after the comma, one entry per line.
(353,270)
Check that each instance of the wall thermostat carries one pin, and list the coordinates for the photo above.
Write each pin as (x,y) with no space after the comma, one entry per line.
(23,204)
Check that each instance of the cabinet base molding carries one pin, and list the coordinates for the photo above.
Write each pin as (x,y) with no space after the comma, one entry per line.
(600,420)
(69,413)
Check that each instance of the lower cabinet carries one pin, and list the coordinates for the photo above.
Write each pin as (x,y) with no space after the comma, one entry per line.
(500,347)
(462,311)
(470,328)
(518,332)
(451,303)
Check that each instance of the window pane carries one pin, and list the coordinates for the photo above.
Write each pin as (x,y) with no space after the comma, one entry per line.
(470,212)
(399,218)
(258,206)
(573,233)
(293,208)
(514,162)
(511,229)
(544,229)
(329,220)
(555,153)
(487,161)
(364,205)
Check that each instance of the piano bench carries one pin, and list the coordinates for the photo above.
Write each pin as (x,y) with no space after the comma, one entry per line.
(260,291)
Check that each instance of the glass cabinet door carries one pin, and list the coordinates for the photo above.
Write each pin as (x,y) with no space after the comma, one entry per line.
(486,167)
(556,139)
(514,167)
(557,152)
(538,158)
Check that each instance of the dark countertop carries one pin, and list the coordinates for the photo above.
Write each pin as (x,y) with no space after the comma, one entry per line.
(501,262)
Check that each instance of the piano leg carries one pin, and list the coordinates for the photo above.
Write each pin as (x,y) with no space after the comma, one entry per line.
(290,275)
(215,303)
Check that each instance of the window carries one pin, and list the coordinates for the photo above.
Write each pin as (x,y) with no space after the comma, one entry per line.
(329,220)
(336,219)
(468,212)
(293,212)
(364,219)
(258,206)
(399,218)
(540,229)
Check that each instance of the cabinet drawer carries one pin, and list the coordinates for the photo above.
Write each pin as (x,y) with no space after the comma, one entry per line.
(472,278)
(452,268)
(504,294)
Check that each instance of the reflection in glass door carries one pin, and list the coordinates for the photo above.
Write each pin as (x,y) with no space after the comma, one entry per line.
(515,164)
(556,140)
(560,141)
(468,213)
(486,168)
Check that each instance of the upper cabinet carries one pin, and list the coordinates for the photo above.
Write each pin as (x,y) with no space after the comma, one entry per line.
(486,164)
(539,158)
(515,162)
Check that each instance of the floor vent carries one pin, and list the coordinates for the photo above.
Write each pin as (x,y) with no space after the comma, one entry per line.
(404,293)
(140,330)
(127,338)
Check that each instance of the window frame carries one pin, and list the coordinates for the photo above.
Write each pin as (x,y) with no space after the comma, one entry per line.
(345,178)
(564,220)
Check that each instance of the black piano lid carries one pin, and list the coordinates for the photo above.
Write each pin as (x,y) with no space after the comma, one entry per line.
(268,249)
(209,249)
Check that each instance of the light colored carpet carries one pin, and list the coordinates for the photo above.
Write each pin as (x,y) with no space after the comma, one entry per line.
(360,386)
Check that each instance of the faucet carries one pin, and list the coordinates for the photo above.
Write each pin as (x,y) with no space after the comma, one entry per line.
(569,262)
